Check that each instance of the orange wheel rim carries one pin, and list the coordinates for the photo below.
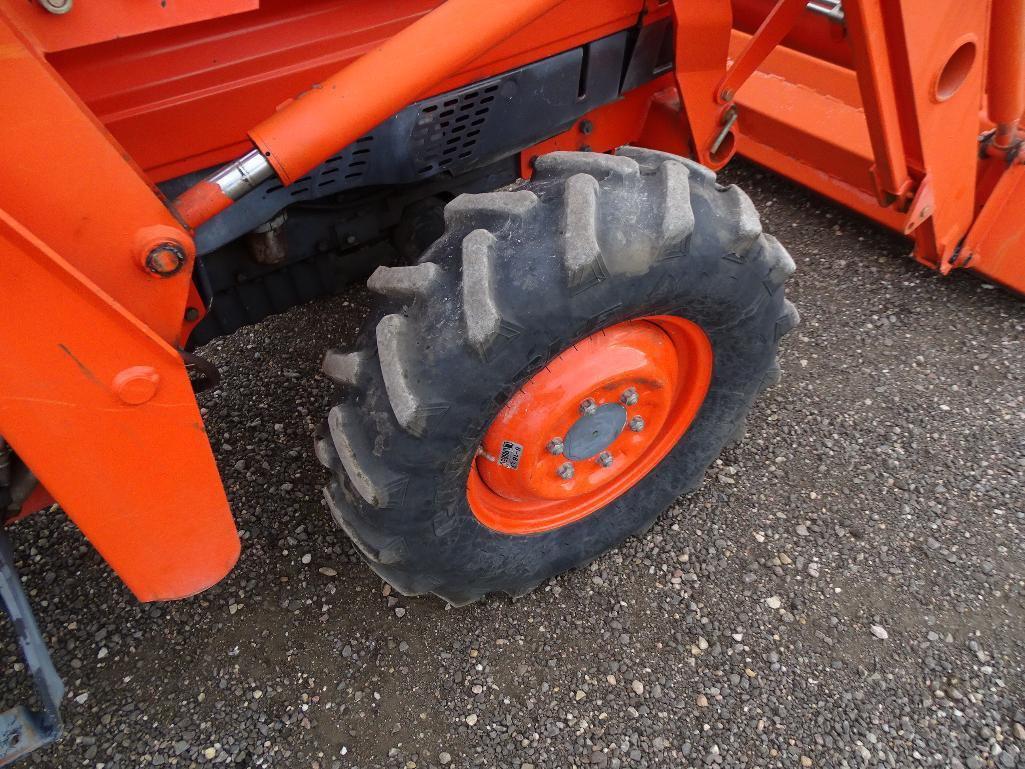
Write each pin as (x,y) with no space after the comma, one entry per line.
(590,425)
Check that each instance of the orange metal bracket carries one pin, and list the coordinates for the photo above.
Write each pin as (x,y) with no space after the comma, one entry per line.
(103,412)
(93,396)
(67,181)
(871,54)
(921,207)
(700,68)
(777,24)
(995,246)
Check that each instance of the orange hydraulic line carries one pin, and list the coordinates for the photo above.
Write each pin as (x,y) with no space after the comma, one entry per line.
(333,114)
(1005,77)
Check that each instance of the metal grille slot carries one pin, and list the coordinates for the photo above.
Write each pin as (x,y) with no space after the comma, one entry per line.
(446,129)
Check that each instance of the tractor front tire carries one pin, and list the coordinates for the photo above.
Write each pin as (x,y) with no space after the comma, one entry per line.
(596,248)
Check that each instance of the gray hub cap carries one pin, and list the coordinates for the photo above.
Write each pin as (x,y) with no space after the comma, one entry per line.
(593,432)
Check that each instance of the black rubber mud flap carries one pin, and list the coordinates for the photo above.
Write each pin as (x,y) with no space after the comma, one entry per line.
(518,276)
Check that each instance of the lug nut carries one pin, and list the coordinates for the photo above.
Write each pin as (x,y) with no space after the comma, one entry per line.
(629,397)
(605,459)
(566,471)
(556,446)
(637,424)
(588,406)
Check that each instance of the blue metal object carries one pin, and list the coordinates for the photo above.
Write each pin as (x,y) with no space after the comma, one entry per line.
(23,730)
(595,431)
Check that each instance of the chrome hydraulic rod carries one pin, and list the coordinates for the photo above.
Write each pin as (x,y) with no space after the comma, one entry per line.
(332,114)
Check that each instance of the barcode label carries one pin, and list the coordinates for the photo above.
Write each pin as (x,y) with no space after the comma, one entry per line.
(510,456)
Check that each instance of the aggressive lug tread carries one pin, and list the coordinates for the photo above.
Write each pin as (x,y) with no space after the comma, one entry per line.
(483,321)
(781,265)
(581,252)
(344,427)
(788,321)
(513,204)
(404,282)
(393,333)
(595,164)
(344,368)
(651,160)
(324,450)
(741,210)
(771,377)
(677,212)
(381,551)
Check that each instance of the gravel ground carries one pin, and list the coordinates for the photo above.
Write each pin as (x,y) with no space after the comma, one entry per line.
(847,588)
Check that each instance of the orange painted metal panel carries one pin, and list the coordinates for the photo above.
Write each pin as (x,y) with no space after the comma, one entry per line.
(839,190)
(183,99)
(138,478)
(995,246)
(871,53)
(95,22)
(808,110)
(941,98)
(780,20)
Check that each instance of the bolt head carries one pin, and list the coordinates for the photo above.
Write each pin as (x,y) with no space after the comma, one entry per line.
(605,459)
(566,471)
(556,446)
(727,95)
(629,397)
(588,406)
(57,7)
(637,424)
(166,259)
(136,385)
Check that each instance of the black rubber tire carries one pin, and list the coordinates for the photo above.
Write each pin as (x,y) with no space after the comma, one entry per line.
(520,275)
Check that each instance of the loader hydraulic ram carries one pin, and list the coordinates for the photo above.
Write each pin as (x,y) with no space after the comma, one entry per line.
(160,158)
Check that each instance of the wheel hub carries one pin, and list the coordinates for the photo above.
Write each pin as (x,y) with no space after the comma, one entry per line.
(590,424)
(593,432)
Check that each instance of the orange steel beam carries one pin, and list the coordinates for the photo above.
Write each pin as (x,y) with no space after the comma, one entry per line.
(329,116)
(871,53)
(702,46)
(93,396)
(102,411)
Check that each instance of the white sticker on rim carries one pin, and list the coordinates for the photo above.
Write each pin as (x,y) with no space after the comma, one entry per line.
(510,455)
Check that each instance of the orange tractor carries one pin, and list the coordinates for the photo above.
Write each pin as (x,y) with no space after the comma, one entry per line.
(572,316)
